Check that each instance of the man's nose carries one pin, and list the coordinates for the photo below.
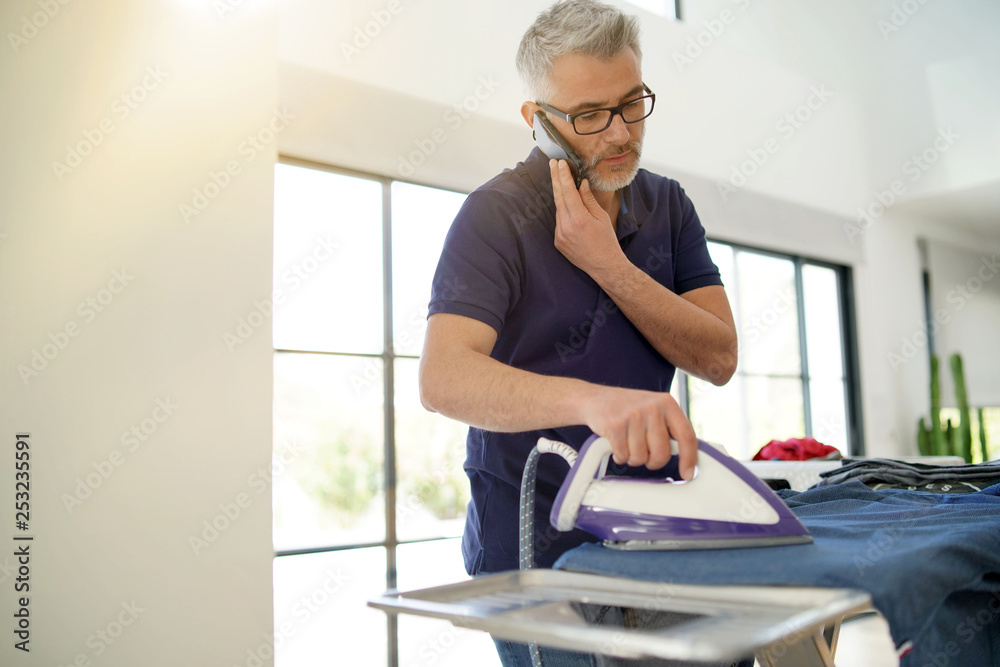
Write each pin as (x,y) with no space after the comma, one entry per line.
(617,132)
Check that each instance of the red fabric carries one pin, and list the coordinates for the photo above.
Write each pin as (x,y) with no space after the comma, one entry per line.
(796,449)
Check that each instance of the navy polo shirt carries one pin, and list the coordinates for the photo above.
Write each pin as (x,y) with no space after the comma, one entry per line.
(499,265)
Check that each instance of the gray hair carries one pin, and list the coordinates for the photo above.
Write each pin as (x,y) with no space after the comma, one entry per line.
(572,26)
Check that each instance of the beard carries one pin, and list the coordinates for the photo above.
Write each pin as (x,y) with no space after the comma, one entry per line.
(621,174)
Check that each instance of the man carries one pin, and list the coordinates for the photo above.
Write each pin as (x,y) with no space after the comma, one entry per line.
(558,312)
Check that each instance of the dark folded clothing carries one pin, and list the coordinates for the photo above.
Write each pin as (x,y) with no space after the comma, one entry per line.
(890,473)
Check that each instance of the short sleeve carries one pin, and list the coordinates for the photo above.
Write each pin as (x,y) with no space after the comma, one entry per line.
(481,265)
(693,266)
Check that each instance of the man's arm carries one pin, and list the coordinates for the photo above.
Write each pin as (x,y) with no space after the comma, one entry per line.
(459,379)
(694,331)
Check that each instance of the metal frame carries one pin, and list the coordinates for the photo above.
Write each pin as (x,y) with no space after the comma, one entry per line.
(800,314)
(784,626)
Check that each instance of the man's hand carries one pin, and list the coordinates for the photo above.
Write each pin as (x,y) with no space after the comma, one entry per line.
(694,331)
(584,233)
(639,424)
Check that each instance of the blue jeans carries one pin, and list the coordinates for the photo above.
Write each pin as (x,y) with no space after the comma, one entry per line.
(516,655)
(513,654)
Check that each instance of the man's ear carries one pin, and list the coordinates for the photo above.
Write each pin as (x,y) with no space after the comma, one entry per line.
(528,110)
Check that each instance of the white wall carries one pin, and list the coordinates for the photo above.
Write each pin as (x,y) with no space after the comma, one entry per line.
(114,310)
(965,301)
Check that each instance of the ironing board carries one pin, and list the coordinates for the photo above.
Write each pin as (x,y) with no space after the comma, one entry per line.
(781,626)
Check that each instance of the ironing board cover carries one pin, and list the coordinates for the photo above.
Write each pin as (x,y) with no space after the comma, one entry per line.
(931,563)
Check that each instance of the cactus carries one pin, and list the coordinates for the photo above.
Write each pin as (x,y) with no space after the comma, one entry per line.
(963,438)
(938,441)
(950,439)
(924,437)
(982,436)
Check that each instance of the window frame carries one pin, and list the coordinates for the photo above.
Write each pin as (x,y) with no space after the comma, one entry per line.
(848,337)
(388,356)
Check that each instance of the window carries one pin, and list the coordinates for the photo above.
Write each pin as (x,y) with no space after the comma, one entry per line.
(368,487)
(794,376)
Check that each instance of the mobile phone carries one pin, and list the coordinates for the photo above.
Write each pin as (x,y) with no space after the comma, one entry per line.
(555,146)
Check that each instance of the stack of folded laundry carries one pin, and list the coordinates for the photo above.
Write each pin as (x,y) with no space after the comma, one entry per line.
(891,474)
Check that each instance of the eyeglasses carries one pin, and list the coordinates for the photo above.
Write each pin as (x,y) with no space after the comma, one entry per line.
(598,120)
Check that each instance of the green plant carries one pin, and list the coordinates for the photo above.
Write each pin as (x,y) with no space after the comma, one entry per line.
(961,441)
(950,439)
(982,435)
(931,441)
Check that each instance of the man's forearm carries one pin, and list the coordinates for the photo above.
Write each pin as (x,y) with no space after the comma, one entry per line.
(691,338)
(478,390)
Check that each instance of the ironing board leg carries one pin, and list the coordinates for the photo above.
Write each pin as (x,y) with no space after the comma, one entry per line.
(831,634)
(808,651)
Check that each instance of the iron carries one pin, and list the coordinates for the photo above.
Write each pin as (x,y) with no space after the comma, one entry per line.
(724,506)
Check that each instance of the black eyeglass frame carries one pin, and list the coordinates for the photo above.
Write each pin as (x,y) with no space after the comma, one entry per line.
(571,118)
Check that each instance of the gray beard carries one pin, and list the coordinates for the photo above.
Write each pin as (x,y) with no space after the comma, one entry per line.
(620,176)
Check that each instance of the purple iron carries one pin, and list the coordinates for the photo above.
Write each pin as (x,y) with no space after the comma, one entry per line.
(725,506)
